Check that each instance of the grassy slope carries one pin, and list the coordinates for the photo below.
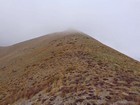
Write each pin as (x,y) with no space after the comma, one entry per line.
(72,68)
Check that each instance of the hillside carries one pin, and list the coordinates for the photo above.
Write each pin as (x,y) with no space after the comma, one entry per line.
(67,68)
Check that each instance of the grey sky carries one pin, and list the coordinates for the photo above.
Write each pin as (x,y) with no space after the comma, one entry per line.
(113,22)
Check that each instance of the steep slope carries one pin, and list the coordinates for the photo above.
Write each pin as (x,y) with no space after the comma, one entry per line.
(67,68)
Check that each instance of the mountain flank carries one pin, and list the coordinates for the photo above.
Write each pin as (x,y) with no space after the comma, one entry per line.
(67,68)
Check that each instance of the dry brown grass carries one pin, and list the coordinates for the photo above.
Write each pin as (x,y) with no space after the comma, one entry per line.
(68,66)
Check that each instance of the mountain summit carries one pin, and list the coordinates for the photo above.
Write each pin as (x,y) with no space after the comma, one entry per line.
(67,68)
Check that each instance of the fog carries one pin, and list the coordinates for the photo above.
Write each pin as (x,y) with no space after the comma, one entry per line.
(115,23)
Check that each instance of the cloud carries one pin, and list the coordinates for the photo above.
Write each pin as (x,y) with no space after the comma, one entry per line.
(113,22)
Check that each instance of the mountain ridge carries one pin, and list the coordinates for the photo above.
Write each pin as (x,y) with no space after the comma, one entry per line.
(67,68)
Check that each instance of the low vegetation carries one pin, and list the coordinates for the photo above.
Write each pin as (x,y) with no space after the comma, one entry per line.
(68,68)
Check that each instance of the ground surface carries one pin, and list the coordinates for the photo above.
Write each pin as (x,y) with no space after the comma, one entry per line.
(67,68)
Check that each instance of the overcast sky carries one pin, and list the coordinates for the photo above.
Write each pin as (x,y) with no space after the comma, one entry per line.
(113,22)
